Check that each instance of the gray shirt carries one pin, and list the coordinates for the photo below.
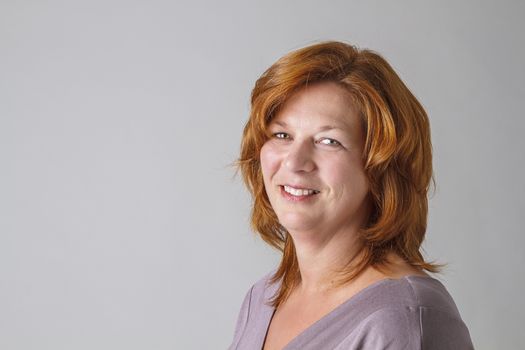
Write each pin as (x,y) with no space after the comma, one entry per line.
(413,312)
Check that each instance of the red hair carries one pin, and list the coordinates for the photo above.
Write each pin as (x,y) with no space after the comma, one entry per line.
(397,154)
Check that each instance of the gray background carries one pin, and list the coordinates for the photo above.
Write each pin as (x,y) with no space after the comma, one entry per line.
(121,225)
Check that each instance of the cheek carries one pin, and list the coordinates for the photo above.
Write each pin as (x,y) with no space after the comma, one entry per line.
(269,161)
(349,176)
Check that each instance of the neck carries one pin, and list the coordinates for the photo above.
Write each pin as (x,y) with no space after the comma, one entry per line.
(320,259)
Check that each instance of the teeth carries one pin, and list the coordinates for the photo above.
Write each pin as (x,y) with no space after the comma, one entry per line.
(299,192)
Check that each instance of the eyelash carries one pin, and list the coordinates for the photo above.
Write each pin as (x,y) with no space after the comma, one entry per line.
(336,143)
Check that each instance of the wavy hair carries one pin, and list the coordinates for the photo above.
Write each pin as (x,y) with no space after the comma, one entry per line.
(397,155)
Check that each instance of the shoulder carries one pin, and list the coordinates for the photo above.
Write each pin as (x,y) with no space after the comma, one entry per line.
(262,289)
(419,311)
(254,313)
(440,321)
(257,294)
(428,292)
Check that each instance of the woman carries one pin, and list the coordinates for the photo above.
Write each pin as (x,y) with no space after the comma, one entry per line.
(337,157)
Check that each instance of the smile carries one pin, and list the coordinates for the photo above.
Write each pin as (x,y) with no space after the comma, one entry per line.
(297,194)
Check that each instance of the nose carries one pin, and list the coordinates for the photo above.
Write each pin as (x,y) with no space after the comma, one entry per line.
(299,157)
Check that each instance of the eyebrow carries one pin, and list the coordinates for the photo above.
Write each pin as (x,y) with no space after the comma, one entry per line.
(322,128)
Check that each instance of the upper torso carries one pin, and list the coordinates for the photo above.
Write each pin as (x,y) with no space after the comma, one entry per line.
(413,312)
(304,307)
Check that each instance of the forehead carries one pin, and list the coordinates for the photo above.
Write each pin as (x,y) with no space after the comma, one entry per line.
(325,105)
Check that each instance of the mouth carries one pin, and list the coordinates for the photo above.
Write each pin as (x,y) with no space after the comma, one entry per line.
(297,193)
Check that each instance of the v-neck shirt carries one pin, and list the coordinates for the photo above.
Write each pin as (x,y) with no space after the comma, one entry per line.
(409,313)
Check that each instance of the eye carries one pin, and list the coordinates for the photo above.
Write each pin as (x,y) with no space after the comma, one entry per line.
(281,135)
(330,142)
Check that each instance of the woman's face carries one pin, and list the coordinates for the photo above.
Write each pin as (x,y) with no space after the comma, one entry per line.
(312,167)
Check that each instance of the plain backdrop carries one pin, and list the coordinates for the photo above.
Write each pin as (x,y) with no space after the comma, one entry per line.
(122,225)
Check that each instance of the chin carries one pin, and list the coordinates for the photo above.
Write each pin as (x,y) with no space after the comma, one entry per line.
(295,222)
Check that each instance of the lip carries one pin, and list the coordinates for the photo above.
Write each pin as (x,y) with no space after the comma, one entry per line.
(290,197)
